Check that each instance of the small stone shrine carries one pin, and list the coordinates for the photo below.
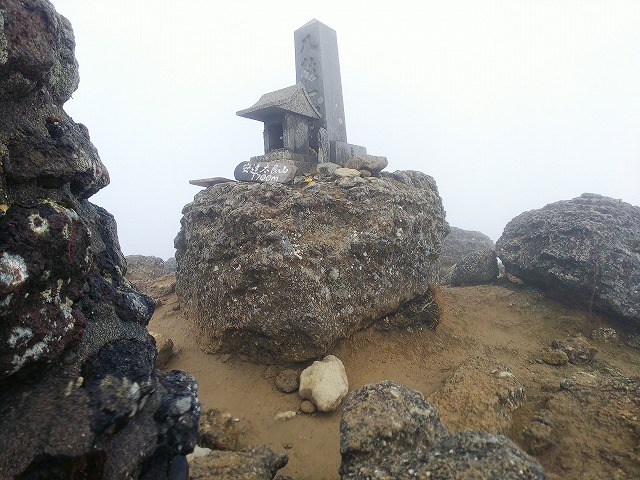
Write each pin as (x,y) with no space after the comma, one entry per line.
(304,124)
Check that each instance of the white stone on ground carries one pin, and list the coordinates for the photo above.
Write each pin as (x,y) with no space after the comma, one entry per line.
(324,383)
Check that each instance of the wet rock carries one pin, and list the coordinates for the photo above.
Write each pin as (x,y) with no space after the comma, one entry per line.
(480,395)
(390,431)
(319,257)
(460,243)
(254,463)
(164,346)
(324,383)
(477,268)
(554,356)
(218,431)
(579,351)
(584,251)
(287,381)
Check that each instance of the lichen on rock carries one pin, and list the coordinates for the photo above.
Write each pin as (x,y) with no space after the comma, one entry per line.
(79,391)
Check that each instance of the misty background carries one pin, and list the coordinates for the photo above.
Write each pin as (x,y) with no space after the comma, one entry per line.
(509,105)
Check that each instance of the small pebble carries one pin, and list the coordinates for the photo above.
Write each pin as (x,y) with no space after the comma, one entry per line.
(307,407)
(288,415)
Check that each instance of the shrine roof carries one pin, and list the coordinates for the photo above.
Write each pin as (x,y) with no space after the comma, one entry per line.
(293,99)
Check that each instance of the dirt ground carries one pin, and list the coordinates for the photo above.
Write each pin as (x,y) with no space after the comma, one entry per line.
(594,436)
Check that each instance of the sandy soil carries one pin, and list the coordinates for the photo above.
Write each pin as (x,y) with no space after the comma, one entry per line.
(509,324)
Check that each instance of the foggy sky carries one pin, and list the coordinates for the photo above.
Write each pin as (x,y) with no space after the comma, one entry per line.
(508,105)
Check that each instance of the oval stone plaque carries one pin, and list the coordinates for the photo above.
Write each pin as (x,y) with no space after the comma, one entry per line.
(265,172)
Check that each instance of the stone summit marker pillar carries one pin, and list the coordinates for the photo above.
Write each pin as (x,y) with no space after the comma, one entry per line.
(303,123)
(318,70)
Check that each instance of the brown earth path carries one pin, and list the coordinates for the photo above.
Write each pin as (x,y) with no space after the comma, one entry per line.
(509,324)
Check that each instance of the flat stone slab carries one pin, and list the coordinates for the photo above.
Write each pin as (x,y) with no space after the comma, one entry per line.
(207,182)
(265,172)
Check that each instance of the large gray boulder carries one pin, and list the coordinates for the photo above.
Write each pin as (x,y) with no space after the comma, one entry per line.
(584,251)
(389,431)
(477,268)
(79,391)
(142,267)
(280,273)
(460,243)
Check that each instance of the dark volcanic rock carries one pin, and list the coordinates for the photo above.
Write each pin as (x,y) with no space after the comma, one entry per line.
(477,268)
(460,243)
(39,142)
(79,393)
(585,251)
(389,431)
(38,292)
(279,273)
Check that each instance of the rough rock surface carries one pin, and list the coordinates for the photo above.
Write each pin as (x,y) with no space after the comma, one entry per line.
(480,395)
(141,267)
(579,351)
(460,243)
(371,163)
(389,431)
(288,381)
(279,273)
(253,463)
(324,383)
(39,142)
(79,392)
(477,268)
(164,346)
(585,251)
(170,265)
(218,431)
(607,401)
